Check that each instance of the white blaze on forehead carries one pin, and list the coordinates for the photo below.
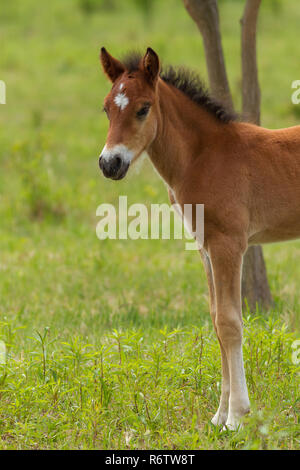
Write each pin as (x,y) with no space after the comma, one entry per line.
(121,100)
(120,149)
(121,86)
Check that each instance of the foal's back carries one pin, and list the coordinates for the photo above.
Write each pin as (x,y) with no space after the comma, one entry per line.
(272,160)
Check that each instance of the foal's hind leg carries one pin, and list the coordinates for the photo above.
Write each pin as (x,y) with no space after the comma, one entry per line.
(226,257)
(221,415)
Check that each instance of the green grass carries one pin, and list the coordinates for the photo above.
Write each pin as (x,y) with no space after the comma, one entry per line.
(128,392)
(110,343)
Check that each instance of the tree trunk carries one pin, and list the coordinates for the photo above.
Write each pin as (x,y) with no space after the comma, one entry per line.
(250,83)
(255,287)
(206,15)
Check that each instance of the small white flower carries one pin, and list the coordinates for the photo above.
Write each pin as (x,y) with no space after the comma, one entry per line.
(2,352)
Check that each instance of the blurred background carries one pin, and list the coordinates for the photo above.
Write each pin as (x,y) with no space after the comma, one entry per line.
(53,269)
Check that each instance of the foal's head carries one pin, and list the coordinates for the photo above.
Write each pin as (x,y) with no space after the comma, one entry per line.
(132,112)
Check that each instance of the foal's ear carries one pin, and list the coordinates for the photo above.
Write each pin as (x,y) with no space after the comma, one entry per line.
(151,65)
(112,67)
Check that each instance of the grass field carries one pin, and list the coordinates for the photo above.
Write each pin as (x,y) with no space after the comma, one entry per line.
(109,343)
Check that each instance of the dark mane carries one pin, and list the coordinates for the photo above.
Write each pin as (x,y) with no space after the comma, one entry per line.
(132,61)
(187,81)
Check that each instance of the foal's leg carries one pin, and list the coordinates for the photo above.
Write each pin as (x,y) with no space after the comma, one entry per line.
(221,415)
(226,258)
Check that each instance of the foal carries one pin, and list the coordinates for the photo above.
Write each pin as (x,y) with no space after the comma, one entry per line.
(247,177)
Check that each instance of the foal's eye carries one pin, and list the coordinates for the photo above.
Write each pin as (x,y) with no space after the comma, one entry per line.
(143,111)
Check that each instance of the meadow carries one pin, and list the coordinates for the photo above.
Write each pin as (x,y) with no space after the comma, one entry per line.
(109,344)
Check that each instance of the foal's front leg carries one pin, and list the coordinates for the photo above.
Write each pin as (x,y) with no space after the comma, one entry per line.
(226,257)
(221,415)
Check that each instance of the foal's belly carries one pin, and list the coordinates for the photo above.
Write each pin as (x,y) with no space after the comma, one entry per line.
(278,234)
(276,219)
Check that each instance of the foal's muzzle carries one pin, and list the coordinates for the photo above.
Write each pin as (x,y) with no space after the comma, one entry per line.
(114,167)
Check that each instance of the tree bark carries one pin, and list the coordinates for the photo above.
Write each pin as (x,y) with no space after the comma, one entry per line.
(205,13)
(250,83)
(255,287)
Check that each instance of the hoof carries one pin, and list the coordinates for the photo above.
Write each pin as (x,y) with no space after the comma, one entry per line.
(234,420)
(232,426)
(219,419)
(234,423)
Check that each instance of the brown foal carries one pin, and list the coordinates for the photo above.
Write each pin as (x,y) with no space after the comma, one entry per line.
(247,177)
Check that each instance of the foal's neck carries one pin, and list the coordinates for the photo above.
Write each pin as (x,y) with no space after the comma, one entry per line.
(183,132)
